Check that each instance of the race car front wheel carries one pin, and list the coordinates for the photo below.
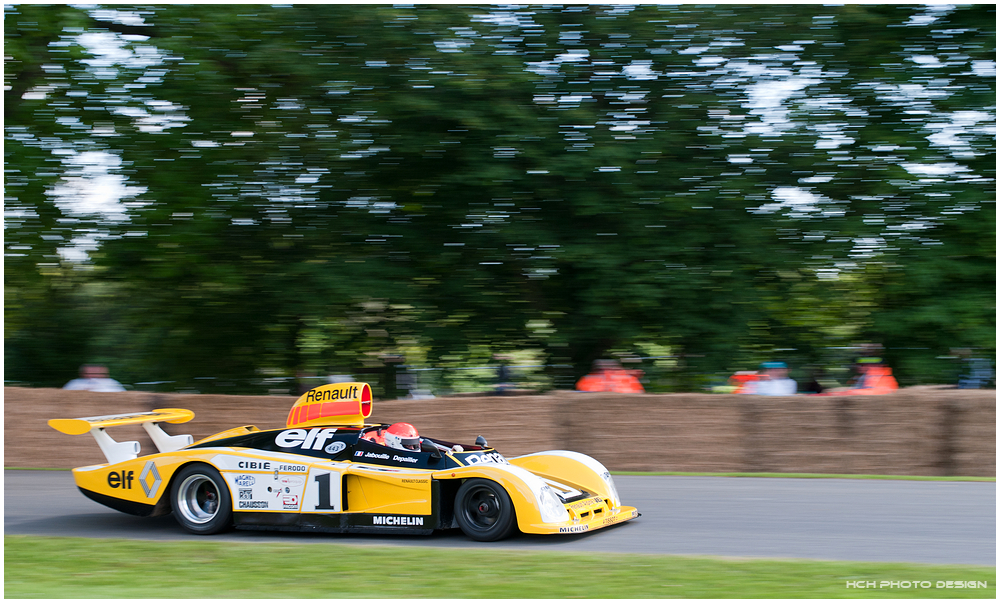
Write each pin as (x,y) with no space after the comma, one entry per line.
(484,510)
(201,500)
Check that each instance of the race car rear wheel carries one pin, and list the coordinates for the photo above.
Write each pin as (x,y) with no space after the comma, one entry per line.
(201,500)
(484,510)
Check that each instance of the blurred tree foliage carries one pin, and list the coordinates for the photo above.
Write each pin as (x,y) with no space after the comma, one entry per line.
(248,192)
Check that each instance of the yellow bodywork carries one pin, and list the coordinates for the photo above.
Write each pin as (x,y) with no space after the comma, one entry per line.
(143,480)
(588,514)
(235,431)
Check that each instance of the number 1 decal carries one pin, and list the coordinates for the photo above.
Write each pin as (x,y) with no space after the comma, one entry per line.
(323,480)
(323,492)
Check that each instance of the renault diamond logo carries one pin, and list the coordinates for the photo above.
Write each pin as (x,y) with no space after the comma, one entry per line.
(150,489)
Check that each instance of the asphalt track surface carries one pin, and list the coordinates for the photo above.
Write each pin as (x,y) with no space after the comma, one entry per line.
(834,519)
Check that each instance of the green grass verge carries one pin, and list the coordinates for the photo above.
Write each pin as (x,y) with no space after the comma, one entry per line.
(45,567)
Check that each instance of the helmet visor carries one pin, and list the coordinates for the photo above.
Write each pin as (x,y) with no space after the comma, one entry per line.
(410,444)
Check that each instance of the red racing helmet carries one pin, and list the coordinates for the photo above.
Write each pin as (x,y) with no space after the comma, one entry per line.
(402,436)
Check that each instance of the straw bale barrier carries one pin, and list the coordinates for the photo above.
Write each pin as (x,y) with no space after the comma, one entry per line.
(930,431)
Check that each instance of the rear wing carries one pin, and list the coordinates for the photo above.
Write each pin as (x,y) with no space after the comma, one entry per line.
(117,452)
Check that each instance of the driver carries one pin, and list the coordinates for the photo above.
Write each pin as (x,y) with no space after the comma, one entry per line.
(375,435)
(402,436)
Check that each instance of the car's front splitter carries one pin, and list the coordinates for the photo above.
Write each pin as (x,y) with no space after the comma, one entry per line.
(616,516)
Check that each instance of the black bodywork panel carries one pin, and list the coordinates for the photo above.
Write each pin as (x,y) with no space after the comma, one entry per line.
(346,444)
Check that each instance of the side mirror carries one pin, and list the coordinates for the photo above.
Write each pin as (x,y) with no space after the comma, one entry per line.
(481,441)
(428,446)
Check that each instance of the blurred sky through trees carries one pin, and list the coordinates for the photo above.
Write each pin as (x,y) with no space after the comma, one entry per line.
(251,191)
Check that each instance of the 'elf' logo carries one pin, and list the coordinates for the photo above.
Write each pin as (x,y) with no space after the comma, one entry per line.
(120,480)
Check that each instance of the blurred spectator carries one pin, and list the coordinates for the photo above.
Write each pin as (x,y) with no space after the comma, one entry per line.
(504,381)
(773,381)
(976,373)
(94,378)
(874,378)
(742,381)
(609,376)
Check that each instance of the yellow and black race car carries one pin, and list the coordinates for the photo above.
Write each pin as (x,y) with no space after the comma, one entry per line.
(329,471)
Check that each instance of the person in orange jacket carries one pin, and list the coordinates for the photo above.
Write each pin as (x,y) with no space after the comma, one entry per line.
(875,379)
(743,381)
(609,376)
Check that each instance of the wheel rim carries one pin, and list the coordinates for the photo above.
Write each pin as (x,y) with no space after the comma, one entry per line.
(482,508)
(198,499)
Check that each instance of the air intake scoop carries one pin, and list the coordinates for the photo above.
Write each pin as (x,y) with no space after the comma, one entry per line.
(332,404)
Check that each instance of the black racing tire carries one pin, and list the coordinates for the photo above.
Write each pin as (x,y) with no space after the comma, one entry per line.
(201,500)
(484,510)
